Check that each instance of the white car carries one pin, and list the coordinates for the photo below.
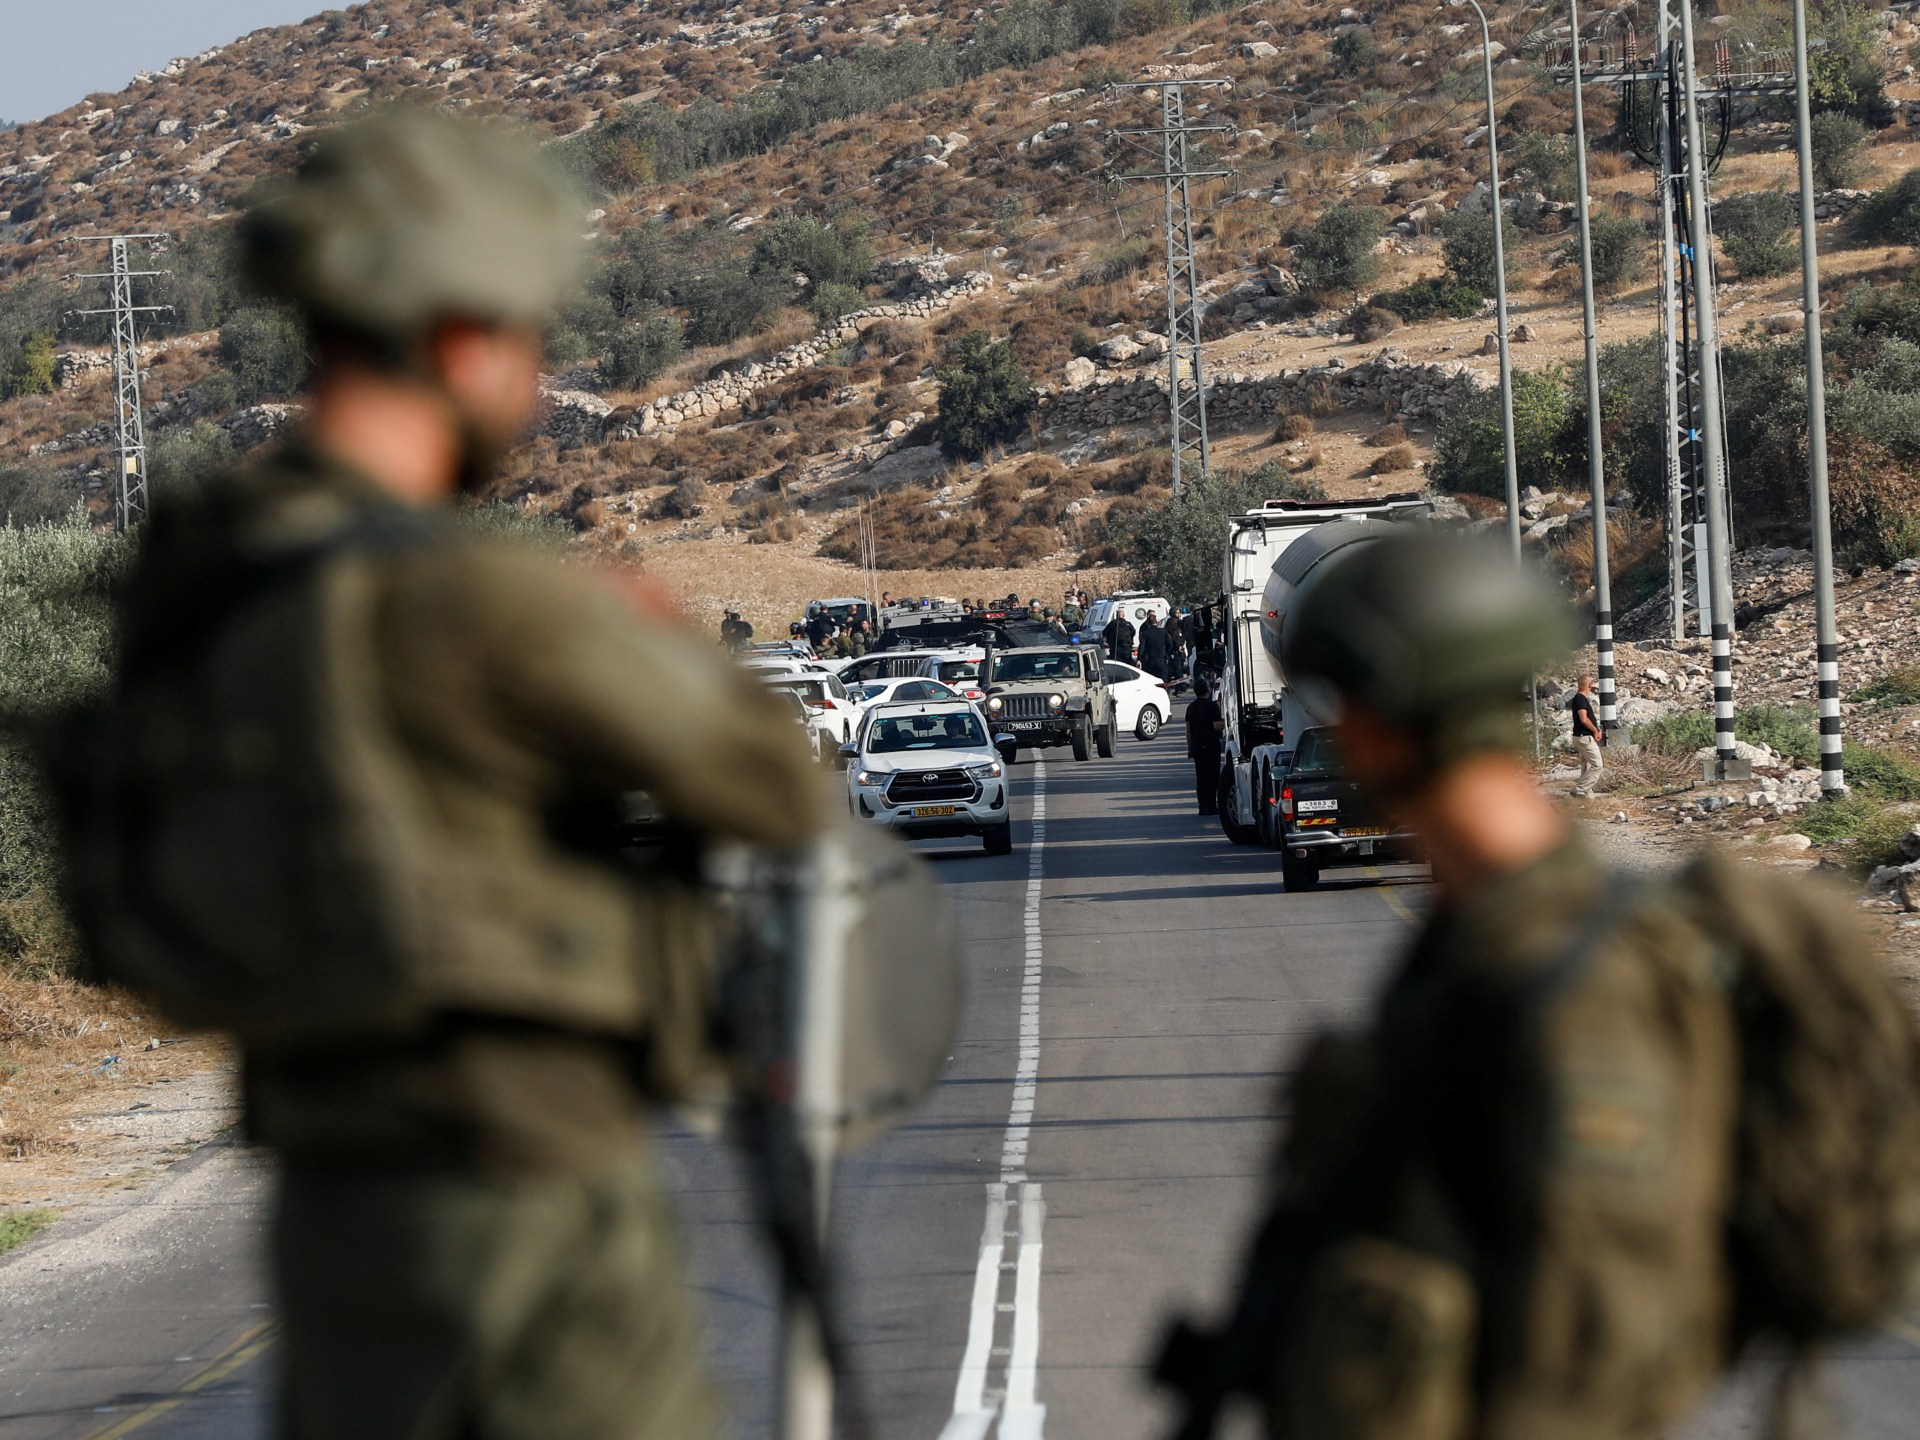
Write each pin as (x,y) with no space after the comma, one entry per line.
(958,668)
(912,689)
(1140,702)
(832,713)
(930,772)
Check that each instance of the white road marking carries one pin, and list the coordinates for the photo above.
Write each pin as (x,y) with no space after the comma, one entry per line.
(975,1406)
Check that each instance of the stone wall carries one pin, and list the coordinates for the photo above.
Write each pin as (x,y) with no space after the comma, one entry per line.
(1403,389)
(727,393)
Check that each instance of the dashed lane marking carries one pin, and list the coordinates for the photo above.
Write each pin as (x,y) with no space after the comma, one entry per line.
(248,1348)
(1016,1211)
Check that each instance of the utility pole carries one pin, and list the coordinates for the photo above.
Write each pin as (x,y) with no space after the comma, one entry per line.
(1833,779)
(1186,375)
(131,499)
(1596,457)
(1500,290)
(1720,582)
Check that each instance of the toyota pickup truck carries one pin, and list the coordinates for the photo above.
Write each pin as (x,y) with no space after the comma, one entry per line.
(1326,819)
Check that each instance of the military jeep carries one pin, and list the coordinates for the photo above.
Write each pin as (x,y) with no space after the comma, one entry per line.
(1047,695)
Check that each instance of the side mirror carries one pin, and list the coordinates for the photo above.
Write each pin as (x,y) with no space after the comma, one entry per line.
(1005,740)
(849,752)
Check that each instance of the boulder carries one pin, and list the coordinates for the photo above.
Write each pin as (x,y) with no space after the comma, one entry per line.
(913,465)
(1080,371)
(1258,50)
(1118,350)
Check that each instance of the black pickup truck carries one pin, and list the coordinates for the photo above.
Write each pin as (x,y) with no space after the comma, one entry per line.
(1327,819)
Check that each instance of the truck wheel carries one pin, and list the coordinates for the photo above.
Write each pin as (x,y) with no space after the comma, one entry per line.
(1224,802)
(999,840)
(1103,737)
(1082,741)
(1148,725)
(1009,754)
(1298,874)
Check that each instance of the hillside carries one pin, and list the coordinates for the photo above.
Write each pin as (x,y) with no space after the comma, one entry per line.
(802,210)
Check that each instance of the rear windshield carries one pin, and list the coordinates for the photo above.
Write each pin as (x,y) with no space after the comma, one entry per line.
(961,669)
(1016,668)
(810,690)
(1319,753)
(957,731)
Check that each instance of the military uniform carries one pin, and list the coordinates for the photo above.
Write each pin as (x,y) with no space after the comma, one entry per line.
(1547,1257)
(470,1240)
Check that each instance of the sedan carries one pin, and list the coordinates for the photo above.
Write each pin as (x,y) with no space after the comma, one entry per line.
(1140,702)
(901,690)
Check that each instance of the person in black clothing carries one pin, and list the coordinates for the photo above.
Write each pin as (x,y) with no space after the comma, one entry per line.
(1155,654)
(1119,638)
(1588,736)
(819,630)
(735,632)
(1205,735)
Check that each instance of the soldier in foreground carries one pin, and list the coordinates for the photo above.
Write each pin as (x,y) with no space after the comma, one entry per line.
(375,759)
(1599,1133)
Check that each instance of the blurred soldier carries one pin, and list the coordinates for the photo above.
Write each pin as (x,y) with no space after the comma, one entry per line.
(1206,737)
(469,1239)
(1564,1174)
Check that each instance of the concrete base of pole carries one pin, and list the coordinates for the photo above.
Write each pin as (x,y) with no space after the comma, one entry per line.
(1717,767)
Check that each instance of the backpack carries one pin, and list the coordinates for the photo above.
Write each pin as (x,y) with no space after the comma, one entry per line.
(249,848)
(1824,1232)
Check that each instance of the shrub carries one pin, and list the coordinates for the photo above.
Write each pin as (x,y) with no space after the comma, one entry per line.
(639,353)
(1392,433)
(1432,298)
(1294,426)
(832,300)
(265,349)
(1545,160)
(1881,773)
(1678,735)
(1619,242)
(188,458)
(1753,226)
(1173,547)
(1788,731)
(685,501)
(729,301)
(1896,687)
(1466,244)
(31,372)
(1392,460)
(1338,252)
(820,253)
(33,494)
(1116,261)
(1891,215)
(985,396)
(1354,51)
(1372,322)
(1468,456)
(1836,140)
(55,625)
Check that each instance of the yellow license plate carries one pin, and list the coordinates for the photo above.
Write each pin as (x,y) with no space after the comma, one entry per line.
(1365,830)
(934,812)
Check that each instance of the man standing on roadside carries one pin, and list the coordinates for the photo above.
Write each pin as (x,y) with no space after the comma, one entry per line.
(1206,738)
(1119,638)
(379,753)
(1155,654)
(1588,736)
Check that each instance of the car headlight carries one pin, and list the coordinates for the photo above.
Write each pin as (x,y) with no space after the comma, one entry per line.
(984,772)
(867,777)
(1056,701)
(994,703)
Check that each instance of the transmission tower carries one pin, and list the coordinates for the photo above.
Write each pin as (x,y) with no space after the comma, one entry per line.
(131,500)
(1652,118)
(1186,373)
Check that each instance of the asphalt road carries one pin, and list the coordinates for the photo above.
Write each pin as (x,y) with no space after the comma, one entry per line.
(1008,1258)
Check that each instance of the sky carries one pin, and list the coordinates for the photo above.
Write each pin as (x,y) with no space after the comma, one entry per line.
(57,52)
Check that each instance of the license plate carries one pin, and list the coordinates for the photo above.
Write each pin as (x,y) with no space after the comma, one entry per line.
(1021,725)
(933,812)
(1366,830)
(1306,805)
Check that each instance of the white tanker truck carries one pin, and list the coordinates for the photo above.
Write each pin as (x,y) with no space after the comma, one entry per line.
(1270,551)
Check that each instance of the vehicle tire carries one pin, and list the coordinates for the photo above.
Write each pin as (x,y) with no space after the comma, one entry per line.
(1223,801)
(1148,725)
(1008,754)
(1298,875)
(1103,738)
(1083,742)
(999,840)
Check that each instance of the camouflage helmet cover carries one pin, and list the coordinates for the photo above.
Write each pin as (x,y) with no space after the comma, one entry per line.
(1431,630)
(410,216)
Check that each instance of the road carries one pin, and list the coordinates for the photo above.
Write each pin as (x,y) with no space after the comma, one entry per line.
(1138,987)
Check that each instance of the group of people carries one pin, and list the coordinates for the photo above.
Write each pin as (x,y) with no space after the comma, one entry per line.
(1164,649)
(1507,1206)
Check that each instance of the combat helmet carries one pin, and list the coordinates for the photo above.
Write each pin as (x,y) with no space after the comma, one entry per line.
(410,216)
(1437,632)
